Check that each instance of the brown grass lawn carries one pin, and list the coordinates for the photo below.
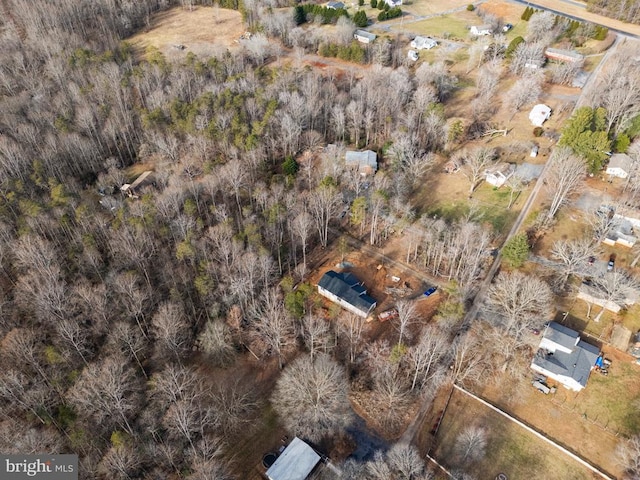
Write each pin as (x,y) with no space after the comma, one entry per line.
(510,448)
(202,31)
(586,422)
(430,7)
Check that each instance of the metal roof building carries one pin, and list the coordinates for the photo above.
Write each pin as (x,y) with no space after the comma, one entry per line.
(296,462)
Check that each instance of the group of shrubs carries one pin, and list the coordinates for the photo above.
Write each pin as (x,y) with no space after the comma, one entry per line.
(351,53)
(597,32)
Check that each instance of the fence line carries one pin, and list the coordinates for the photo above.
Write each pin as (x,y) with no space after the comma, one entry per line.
(537,434)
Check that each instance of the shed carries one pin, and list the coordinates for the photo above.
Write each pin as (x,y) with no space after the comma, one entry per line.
(296,462)
(619,165)
(366,161)
(481,30)
(423,43)
(568,56)
(539,114)
(363,36)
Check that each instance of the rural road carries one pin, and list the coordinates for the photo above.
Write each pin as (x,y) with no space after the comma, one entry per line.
(577,11)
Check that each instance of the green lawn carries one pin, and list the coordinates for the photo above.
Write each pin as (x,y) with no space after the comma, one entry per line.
(447,26)
(510,448)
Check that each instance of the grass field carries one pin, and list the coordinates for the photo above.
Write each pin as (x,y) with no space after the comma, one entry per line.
(446,26)
(201,31)
(510,448)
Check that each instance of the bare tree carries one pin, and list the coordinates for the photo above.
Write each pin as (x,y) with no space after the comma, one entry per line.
(316,333)
(468,359)
(475,161)
(351,328)
(564,175)
(109,392)
(471,444)
(424,358)
(273,325)
(215,341)
(171,330)
(121,462)
(527,57)
(628,456)
(234,404)
(301,226)
(407,315)
(540,25)
(573,254)
(526,90)
(311,397)
(519,302)
(324,205)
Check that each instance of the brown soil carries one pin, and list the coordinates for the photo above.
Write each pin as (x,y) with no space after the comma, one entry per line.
(202,30)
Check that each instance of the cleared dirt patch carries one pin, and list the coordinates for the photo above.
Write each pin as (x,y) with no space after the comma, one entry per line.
(203,31)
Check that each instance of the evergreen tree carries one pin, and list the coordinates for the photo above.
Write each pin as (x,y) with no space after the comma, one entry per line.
(360,19)
(516,251)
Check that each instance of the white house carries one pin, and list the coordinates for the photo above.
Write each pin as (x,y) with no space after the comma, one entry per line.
(481,30)
(363,36)
(539,114)
(499,174)
(423,43)
(366,162)
(347,291)
(393,3)
(619,165)
(296,462)
(564,357)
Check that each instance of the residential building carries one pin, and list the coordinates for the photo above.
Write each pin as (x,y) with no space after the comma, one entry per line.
(481,30)
(423,43)
(347,291)
(499,174)
(335,5)
(619,165)
(393,3)
(363,36)
(564,357)
(567,56)
(366,162)
(539,114)
(296,462)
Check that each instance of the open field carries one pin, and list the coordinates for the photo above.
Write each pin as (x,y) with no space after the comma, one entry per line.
(452,26)
(587,422)
(510,448)
(202,31)
(431,7)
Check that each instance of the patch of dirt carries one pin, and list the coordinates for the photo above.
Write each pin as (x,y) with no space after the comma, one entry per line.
(504,10)
(202,30)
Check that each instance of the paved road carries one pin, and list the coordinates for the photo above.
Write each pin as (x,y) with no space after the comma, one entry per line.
(577,11)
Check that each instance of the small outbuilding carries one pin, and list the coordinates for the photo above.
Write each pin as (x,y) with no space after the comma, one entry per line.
(366,162)
(619,165)
(539,114)
(296,462)
(423,43)
(363,36)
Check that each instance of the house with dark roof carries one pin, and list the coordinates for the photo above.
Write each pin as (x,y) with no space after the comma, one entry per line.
(347,291)
(564,357)
(296,462)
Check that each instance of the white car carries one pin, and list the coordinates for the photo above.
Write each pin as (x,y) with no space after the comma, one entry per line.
(412,55)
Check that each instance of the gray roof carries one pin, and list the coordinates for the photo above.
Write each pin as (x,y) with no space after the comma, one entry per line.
(576,364)
(347,287)
(561,335)
(335,5)
(367,158)
(296,462)
(620,160)
(365,34)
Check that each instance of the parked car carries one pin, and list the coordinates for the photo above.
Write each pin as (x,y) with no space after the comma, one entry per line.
(612,262)
(412,55)
(430,291)
(506,27)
